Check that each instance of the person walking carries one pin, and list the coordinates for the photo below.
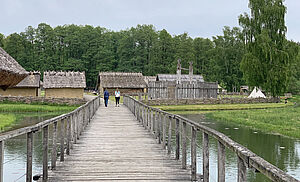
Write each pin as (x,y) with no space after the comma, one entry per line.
(106,97)
(117,96)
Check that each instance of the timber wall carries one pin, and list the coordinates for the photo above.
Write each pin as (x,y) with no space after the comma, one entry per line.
(165,90)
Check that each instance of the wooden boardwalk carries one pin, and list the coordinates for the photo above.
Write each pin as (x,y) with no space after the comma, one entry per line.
(116,147)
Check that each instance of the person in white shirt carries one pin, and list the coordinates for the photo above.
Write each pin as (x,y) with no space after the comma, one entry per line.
(117,96)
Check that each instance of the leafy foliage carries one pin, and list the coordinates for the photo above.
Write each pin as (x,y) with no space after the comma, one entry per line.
(138,49)
(267,61)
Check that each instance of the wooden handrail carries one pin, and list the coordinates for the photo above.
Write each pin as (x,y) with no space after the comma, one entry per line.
(246,158)
(75,121)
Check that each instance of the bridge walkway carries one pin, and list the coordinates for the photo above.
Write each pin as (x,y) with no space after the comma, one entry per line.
(116,147)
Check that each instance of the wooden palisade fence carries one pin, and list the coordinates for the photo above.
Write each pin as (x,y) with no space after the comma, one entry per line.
(160,123)
(71,126)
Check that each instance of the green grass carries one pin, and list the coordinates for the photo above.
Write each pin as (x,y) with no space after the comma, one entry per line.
(201,108)
(6,120)
(20,107)
(283,121)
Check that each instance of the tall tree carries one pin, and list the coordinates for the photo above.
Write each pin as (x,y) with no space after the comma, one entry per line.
(1,40)
(266,63)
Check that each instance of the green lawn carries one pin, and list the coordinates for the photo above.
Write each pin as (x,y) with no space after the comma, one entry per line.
(10,107)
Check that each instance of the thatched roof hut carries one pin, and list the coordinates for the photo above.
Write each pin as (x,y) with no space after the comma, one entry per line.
(11,73)
(63,79)
(64,84)
(121,80)
(32,80)
(182,78)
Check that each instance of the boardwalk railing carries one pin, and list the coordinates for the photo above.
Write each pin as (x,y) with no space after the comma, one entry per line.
(160,124)
(71,126)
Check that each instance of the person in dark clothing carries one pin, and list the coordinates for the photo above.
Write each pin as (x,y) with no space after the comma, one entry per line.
(106,97)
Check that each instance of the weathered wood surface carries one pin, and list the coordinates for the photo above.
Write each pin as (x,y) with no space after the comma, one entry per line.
(114,147)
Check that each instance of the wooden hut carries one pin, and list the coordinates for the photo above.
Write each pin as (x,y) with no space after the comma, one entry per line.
(125,82)
(64,84)
(11,73)
(28,87)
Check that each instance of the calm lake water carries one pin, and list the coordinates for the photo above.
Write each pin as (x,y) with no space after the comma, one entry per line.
(15,149)
(280,151)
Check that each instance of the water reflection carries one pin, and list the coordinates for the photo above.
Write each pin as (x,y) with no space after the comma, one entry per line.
(280,151)
(15,150)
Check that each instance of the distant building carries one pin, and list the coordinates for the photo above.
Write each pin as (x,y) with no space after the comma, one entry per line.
(125,82)
(28,87)
(11,73)
(64,84)
(179,86)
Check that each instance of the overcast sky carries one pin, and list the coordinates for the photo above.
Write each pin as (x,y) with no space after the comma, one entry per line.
(199,18)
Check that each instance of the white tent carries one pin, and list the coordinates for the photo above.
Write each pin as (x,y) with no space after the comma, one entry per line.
(256,93)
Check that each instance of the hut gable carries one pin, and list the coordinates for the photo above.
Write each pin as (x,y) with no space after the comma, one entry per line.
(183,78)
(32,80)
(62,79)
(11,73)
(121,80)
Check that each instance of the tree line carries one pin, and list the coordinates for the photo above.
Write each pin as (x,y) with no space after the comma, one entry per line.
(241,56)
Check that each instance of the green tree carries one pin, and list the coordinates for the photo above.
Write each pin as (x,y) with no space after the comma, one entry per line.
(266,63)
(1,40)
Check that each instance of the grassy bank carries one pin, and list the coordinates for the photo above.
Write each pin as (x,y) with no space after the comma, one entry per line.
(277,118)
(283,121)
(195,109)
(18,107)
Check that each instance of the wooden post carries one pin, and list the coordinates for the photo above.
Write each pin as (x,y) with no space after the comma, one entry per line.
(194,154)
(159,127)
(205,158)
(75,118)
(45,153)
(164,120)
(54,146)
(68,135)
(1,160)
(242,170)
(152,121)
(221,162)
(156,124)
(29,157)
(72,130)
(170,136)
(177,153)
(149,119)
(183,148)
(62,139)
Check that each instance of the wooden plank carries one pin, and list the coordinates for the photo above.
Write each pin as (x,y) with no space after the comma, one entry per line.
(194,154)
(62,140)
(242,170)
(117,147)
(164,120)
(68,135)
(1,160)
(54,146)
(221,162)
(183,144)
(29,157)
(205,157)
(45,153)
(170,135)
(177,150)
